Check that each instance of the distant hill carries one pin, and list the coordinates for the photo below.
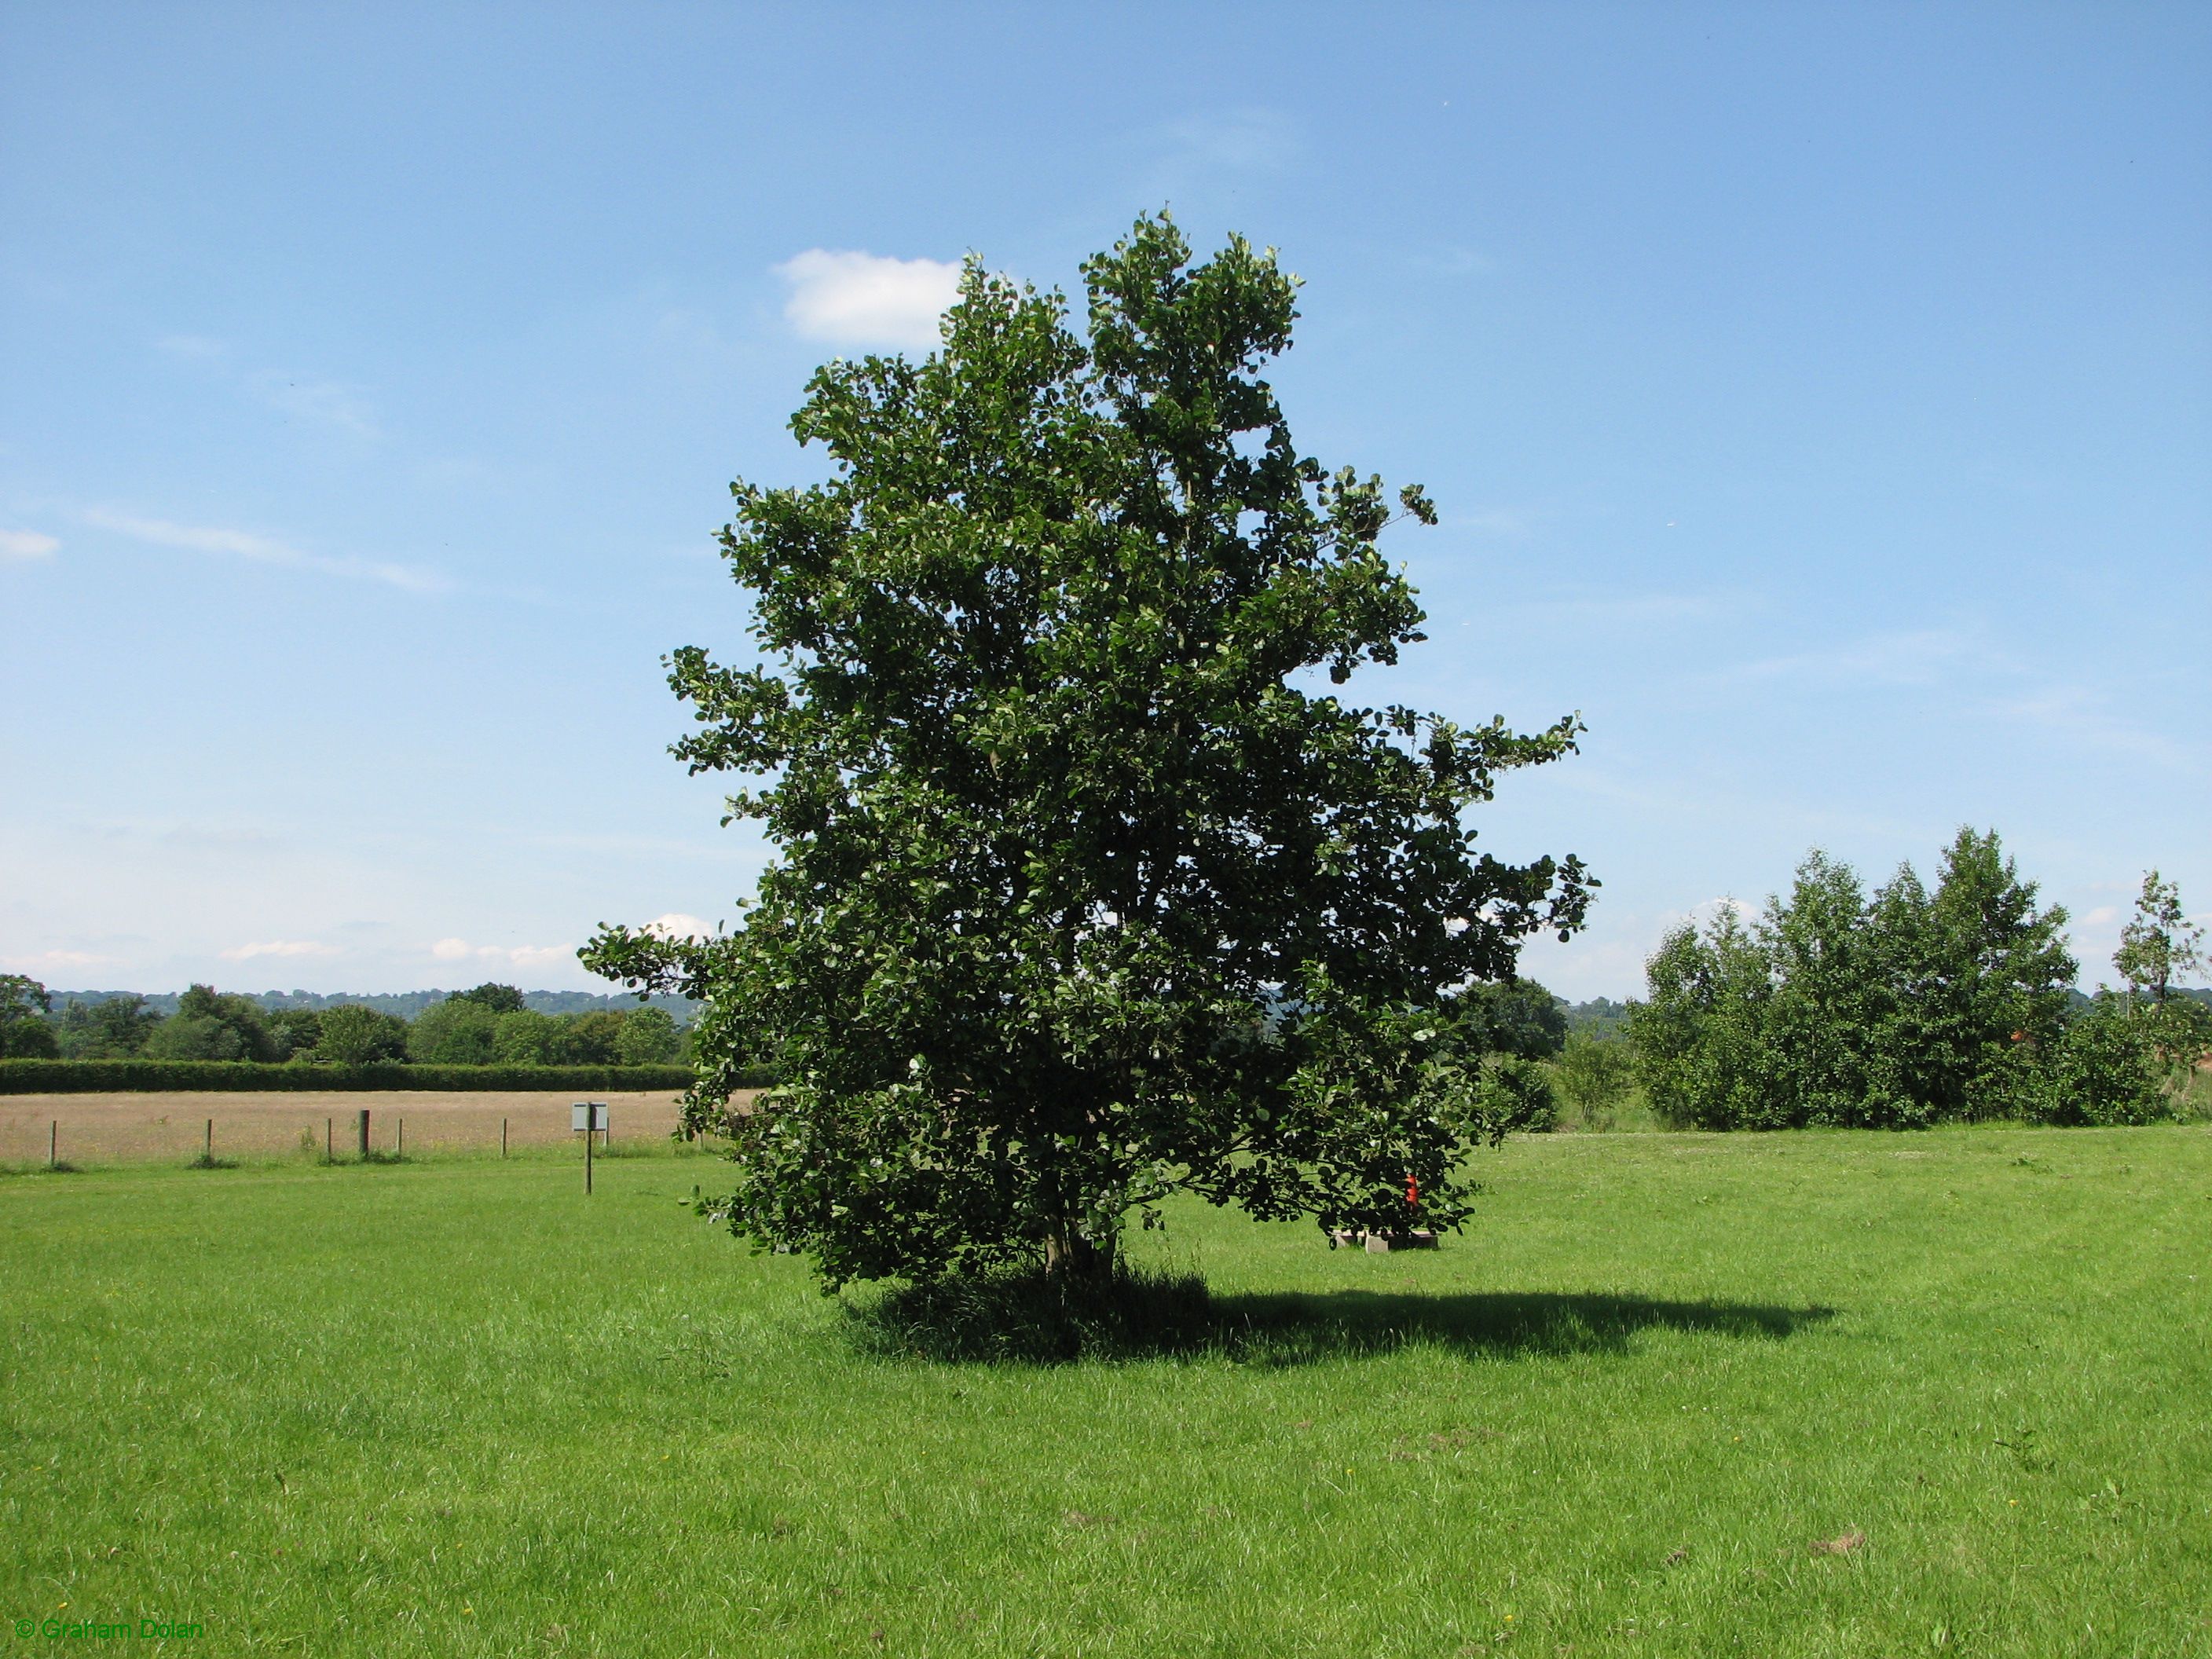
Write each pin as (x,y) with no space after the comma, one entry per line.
(405,1004)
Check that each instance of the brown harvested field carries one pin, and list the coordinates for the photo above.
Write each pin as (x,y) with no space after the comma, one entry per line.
(117,1128)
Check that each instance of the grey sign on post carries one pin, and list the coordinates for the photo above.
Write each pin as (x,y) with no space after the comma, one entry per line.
(585,1117)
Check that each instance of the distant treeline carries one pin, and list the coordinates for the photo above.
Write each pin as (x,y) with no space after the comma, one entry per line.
(37,1077)
(490,1025)
(405,1005)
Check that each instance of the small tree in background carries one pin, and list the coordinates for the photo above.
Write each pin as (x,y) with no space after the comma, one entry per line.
(523,1036)
(1515,1016)
(2160,944)
(350,1034)
(1700,1034)
(462,1031)
(500,999)
(25,1032)
(209,1024)
(114,1028)
(2002,978)
(649,1037)
(295,1032)
(1084,894)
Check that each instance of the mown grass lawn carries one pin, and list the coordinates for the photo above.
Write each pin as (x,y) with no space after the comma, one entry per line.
(455,1408)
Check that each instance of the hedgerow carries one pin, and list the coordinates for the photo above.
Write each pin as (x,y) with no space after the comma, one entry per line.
(25,1077)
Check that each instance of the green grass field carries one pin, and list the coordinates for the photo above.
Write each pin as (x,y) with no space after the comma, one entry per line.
(453,1408)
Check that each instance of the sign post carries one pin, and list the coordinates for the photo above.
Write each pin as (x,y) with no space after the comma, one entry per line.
(586,1116)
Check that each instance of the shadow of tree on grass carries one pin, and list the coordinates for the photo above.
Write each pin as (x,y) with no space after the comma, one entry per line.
(1300,1328)
(1023,1318)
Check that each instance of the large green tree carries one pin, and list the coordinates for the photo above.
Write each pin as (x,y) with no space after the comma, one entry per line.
(1086,892)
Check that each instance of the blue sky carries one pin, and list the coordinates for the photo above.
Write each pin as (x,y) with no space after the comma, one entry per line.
(1818,398)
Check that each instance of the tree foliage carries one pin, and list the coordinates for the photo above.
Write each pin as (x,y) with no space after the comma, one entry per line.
(2160,944)
(1889,1011)
(1084,893)
(24,1005)
(211,1024)
(1517,1017)
(350,1034)
(114,1028)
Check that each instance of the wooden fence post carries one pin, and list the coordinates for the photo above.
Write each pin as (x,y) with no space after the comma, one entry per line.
(400,1150)
(53,1143)
(209,1152)
(502,1137)
(330,1139)
(364,1132)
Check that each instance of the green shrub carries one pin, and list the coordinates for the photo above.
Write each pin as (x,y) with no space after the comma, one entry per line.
(1517,1094)
(1594,1074)
(2104,1070)
(458,1031)
(350,1034)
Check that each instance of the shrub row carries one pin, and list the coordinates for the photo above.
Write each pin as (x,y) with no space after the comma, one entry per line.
(27,1077)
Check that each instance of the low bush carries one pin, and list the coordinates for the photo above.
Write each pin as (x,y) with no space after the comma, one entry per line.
(2103,1069)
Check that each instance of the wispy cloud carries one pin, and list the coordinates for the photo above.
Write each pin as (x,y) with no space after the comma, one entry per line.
(521,956)
(1615,609)
(313,398)
(2072,712)
(677,925)
(863,298)
(279,947)
(194,348)
(264,549)
(1514,522)
(325,403)
(26,544)
(1233,140)
(1920,657)
(52,959)
(1981,678)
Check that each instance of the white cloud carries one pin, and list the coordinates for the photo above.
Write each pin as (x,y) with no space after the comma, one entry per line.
(263,549)
(52,959)
(677,925)
(521,956)
(26,544)
(862,299)
(279,947)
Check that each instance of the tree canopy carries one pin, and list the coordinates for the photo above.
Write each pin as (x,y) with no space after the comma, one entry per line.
(1893,1010)
(1085,890)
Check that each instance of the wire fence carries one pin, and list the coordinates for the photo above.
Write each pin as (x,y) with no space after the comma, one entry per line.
(85,1130)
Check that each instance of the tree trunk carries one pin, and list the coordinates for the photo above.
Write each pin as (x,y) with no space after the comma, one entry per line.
(1068,1254)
